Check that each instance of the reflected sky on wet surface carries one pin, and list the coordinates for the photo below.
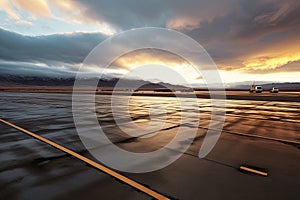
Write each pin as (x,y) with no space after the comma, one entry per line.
(50,115)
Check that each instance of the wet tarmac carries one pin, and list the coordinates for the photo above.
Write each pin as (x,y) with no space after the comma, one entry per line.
(33,170)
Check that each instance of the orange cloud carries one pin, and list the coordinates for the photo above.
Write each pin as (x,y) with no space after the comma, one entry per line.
(34,7)
(154,58)
(265,58)
(7,7)
(183,23)
(269,63)
(148,56)
(74,12)
(275,56)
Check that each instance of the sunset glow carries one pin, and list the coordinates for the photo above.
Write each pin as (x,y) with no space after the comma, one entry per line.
(260,46)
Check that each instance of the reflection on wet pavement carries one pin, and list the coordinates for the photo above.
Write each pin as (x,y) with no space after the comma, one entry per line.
(29,167)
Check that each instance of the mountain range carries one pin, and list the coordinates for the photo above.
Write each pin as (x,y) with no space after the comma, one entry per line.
(31,81)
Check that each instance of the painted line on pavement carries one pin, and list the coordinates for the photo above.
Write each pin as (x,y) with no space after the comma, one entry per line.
(90,162)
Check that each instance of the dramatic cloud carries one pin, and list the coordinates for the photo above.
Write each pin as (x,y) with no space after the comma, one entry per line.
(32,69)
(239,35)
(59,54)
(48,49)
(37,8)
(147,57)
(251,37)
(128,14)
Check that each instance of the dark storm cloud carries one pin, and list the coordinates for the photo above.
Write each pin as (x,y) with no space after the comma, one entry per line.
(125,14)
(30,69)
(128,14)
(237,18)
(235,32)
(263,17)
(252,29)
(48,49)
(231,31)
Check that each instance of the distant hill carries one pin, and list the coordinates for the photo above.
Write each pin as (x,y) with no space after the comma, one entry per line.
(30,81)
(23,81)
(109,83)
(283,86)
(291,86)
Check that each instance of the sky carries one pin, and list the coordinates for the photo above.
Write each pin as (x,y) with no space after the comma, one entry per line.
(248,40)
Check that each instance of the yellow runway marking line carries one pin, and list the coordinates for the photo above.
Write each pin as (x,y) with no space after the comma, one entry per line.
(256,136)
(90,162)
(253,171)
(264,137)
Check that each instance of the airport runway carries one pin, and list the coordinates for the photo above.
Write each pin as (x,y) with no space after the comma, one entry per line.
(282,96)
(33,170)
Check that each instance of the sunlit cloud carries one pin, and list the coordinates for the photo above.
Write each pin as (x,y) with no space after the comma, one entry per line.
(38,8)
(244,38)
(270,58)
(71,12)
(153,59)
(183,23)
(146,57)
(56,14)
(7,7)
(268,63)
